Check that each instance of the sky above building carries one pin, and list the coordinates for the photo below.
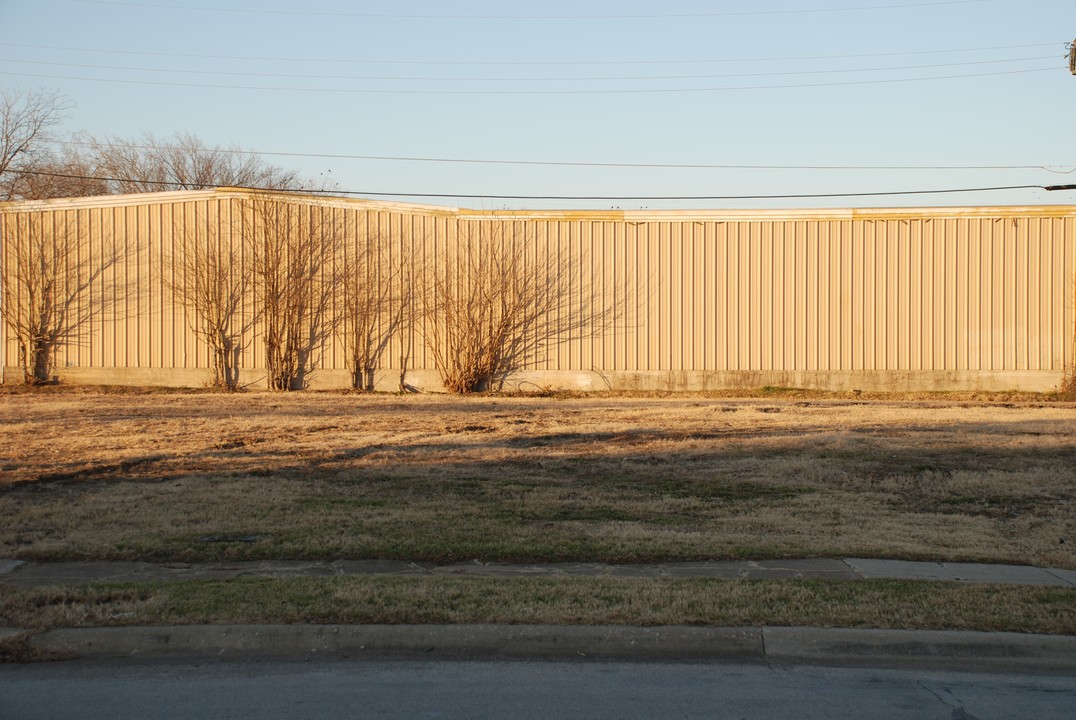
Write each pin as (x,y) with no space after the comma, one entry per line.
(588,103)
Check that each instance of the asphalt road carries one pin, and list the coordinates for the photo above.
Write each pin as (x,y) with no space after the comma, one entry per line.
(267,689)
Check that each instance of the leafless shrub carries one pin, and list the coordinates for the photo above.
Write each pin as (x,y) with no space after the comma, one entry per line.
(494,305)
(213,285)
(294,254)
(377,290)
(48,274)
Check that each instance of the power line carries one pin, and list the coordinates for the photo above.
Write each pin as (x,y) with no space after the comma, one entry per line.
(523,79)
(1061,169)
(644,16)
(792,196)
(352,61)
(604,91)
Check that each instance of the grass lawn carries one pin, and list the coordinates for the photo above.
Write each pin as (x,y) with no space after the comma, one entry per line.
(557,601)
(187,476)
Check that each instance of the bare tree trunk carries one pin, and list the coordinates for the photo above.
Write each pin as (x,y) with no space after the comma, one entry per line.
(214,288)
(294,252)
(46,283)
(377,296)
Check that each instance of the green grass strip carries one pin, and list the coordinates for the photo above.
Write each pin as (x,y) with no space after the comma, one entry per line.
(582,601)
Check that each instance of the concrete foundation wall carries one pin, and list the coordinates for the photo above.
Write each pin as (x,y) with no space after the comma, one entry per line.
(388,380)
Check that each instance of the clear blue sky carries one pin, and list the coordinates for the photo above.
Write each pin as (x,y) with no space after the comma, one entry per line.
(726,82)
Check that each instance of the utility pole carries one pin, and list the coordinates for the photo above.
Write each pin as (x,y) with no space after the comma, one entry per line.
(1072,57)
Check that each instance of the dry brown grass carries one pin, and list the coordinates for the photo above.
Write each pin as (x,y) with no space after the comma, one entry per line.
(615,478)
(556,601)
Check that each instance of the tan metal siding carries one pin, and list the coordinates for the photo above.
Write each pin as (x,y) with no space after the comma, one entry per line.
(977,290)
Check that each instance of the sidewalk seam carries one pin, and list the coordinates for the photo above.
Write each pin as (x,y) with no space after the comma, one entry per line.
(1050,572)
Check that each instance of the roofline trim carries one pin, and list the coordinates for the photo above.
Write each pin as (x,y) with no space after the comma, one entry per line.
(631,216)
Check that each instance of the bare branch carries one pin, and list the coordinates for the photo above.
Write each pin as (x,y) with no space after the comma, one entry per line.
(26,119)
(69,174)
(213,285)
(48,275)
(295,274)
(495,308)
(182,163)
(377,292)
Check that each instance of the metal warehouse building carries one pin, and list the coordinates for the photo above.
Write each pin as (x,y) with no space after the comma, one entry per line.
(881,299)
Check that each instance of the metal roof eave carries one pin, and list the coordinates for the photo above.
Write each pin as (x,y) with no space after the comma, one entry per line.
(633,216)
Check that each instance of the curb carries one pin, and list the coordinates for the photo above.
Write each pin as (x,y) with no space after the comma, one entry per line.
(914,648)
(509,641)
(922,649)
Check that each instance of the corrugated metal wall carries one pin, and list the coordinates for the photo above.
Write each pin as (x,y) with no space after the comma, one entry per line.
(983,290)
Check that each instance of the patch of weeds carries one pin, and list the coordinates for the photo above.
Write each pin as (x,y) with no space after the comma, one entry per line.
(743,491)
(372,482)
(19,649)
(993,506)
(777,390)
(329,504)
(751,491)
(579,513)
(227,538)
(71,606)
(472,429)
(253,473)
(466,488)
(207,547)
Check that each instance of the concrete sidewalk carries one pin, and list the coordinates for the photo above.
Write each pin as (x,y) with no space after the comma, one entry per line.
(1001,652)
(30,574)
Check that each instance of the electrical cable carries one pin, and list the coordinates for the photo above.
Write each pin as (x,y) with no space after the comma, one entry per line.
(646,16)
(604,91)
(1058,168)
(783,58)
(293,76)
(789,196)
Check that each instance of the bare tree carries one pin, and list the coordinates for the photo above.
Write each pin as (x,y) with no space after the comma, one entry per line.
(213,285)
(294,254)
(494,308)
(183,162)
(377,297)
(26,120)
(56,176)
(48,273)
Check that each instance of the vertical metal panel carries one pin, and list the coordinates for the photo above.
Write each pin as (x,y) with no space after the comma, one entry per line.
(986,292)
(735,280)
(988,301)
(634,298)
(975,294)
(674,271)
(893,232)
(721,297)
(963,295)
(1055,271)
